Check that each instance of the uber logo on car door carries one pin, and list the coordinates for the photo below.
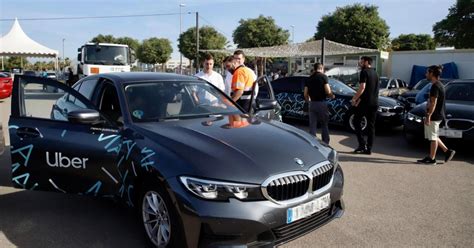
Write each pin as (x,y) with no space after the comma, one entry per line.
(59,160)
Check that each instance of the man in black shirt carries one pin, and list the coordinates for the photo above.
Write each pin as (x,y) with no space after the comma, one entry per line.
(435,113)
(316,89)
(365,103)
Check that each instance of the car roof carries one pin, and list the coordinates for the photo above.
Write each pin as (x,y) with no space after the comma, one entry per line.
(462,81)
(126,77)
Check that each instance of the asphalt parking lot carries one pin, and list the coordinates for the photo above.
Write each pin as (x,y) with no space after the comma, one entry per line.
(390,201)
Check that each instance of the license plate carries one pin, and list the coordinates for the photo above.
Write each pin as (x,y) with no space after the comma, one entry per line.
(306,209)
(450,133)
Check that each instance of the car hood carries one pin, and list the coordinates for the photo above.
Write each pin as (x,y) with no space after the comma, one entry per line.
(235,148)
(454,109)
(411,93)
(387,102)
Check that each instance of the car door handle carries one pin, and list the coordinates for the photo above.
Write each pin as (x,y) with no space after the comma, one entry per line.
(27,132)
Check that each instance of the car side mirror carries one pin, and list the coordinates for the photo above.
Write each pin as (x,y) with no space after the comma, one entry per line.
(79,56)
(265,104)
(84,116)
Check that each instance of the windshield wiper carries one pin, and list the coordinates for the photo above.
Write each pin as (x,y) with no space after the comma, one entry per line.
(96,62)
(119,63)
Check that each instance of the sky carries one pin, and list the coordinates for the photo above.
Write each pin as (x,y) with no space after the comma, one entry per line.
(402,16)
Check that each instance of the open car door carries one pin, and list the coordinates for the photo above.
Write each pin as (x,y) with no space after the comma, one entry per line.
(59,141)
(264,103)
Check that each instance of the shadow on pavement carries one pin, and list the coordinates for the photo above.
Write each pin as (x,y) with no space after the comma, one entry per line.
(5,169)
(41,219)
(351,157)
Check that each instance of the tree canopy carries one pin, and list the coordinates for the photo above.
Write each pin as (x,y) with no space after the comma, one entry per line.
(259,32)
(356,25)
(209,38)
(155,50)
(457,29)
(408,42)
(131,42)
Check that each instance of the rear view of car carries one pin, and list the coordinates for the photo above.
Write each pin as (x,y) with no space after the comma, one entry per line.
(6,83)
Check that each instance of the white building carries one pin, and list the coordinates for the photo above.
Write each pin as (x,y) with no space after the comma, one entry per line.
(400,63)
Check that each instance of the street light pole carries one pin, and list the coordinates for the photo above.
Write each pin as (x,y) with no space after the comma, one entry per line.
(64,59)
(181,5)
(292,33)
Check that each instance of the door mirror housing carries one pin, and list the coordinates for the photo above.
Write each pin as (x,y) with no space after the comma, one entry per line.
(84,116)
(266,104)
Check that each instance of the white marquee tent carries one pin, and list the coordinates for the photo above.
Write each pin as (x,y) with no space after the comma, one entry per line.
(17,43)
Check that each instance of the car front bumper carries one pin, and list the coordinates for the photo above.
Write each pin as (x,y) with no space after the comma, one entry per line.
(390,119)
(236,223)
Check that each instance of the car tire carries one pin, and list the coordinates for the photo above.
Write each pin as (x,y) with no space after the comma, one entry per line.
(157,214)
(350,122)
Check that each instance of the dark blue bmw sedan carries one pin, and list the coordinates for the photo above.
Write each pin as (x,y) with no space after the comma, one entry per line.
(200,170)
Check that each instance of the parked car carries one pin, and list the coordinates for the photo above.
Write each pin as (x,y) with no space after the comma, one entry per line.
(30,73)
(197,172)
(459,124)
(392,87)
(51,74)
(409,98)
(6,84)
(289,93)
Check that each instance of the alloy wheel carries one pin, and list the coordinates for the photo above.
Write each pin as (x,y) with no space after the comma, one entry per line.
(363,123)
(156,219)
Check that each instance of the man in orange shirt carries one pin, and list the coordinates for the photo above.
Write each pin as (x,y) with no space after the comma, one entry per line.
(242,81)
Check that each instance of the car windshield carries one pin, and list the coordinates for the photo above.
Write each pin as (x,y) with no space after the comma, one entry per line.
(421,84)
(383,83)
(339,87)
(460,92)
(155,101)
(106,55)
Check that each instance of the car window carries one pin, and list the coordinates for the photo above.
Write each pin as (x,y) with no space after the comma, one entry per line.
(87,87)
(338,87)
(109,103)
(421,84)
(393,84)
(46,102)
(383,83)
(155,101)
(289,84)
(460,92)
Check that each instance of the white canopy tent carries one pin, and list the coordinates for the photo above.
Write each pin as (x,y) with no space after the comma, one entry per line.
(17,43)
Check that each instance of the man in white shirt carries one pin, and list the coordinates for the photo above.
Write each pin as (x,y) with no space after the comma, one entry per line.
(229,70)
(210,76)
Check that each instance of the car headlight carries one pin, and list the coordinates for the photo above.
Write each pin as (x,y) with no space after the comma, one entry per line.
(383,109)
(416,118)
(333,157)
(221,191)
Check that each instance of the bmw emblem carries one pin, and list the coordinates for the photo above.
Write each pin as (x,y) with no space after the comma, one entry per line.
(299,162)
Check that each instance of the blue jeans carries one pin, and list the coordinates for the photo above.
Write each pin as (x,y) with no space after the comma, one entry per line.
(318,112)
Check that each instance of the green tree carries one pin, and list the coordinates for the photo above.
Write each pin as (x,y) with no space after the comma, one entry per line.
(15,62)
(155,51)
(356,25)
(209,38)
(408,42)
(104,39)
(259,32)
(131,42)
(457,29)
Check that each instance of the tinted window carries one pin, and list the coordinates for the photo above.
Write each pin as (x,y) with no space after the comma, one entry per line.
(337,87)
(460,92)
(87,87)
(46,102)
(289,84)
(154,101)
(383,83)
(421,84)
(393,84)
